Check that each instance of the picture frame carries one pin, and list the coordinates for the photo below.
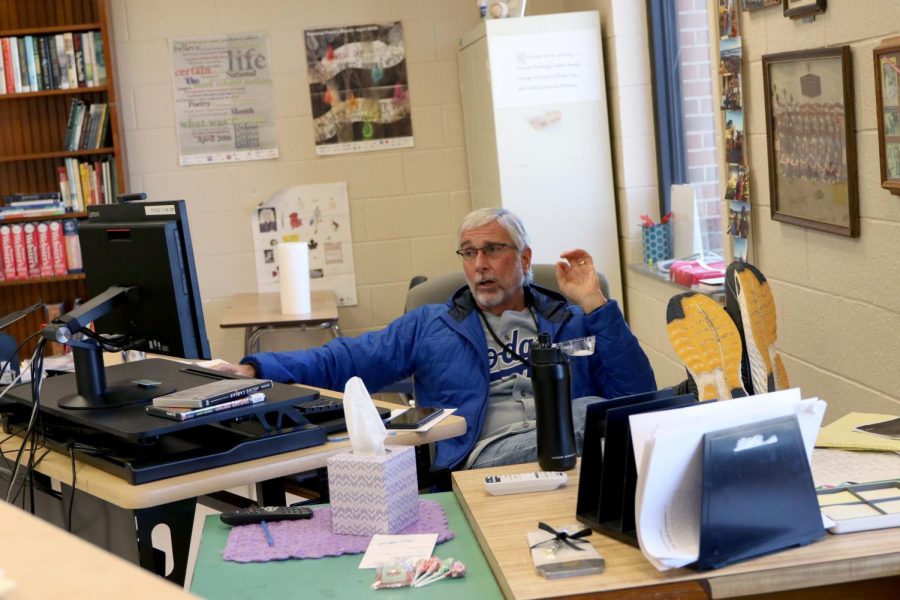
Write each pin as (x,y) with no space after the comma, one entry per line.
(810,139)
(751,5)
(800,9)
(887,102)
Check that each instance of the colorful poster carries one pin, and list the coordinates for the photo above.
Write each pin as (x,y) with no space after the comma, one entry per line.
(318,215)
(358,87)
(224,108)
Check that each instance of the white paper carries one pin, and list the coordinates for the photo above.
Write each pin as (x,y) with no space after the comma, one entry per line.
(293,268)
(668,452)
(389,548)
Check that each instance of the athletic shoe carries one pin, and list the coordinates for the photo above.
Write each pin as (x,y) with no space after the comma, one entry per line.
(749,301)
(708,343)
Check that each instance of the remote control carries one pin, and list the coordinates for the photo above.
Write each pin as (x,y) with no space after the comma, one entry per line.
(520,483)
(248,516)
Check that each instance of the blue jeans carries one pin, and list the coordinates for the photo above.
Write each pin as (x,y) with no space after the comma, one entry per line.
(522,447)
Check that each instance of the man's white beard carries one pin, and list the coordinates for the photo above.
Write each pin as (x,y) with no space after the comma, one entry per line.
(491,299)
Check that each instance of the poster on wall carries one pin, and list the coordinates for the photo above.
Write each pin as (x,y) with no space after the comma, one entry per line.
(359,89)
(318,215)
(224,107)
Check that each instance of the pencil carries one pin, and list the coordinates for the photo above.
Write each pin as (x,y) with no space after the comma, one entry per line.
(265,528)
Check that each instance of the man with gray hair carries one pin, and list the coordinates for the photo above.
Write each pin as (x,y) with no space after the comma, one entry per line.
(471,353)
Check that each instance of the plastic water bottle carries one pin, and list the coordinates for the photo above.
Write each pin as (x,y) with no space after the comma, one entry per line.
(552,382)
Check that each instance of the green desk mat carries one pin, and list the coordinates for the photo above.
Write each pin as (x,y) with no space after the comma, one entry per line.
(336,577)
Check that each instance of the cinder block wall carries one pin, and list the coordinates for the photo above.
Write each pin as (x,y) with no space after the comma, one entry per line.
(838,298)
(405,204)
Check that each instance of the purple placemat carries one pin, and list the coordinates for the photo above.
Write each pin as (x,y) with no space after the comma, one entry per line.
(313,538)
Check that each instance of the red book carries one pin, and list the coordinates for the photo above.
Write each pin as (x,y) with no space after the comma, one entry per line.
(57,248)
(7,67)
(9,257)
(64,186)
(45,254)
(32,251)
(18,242)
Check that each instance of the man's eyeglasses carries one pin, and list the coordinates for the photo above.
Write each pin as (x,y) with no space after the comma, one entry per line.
(489,251)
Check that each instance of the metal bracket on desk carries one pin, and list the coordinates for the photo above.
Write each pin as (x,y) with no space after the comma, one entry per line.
(252,334)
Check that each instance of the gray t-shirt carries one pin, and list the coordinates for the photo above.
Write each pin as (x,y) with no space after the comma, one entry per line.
(511,398)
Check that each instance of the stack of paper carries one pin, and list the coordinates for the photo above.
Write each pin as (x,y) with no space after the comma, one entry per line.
(668,451)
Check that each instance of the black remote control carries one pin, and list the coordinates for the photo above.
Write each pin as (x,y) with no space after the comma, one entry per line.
(248,516)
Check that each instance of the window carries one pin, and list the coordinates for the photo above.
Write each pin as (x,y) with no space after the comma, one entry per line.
(685,111)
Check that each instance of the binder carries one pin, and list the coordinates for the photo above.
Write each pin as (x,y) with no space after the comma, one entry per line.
(608,476)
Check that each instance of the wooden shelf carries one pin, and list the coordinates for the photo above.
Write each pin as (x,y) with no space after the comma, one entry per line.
(68,215)
(69,91)
(58,154)
(32,138)
(50,30)
(42,280)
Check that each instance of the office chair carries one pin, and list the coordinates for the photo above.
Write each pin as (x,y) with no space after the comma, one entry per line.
(437,291)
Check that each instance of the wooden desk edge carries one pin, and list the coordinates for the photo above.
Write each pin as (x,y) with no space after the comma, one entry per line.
(108,487)
(868,559)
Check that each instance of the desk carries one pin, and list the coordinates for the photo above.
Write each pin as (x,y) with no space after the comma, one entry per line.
(336,577)
(118,505)
(259,313)
(500,524)
(46,562)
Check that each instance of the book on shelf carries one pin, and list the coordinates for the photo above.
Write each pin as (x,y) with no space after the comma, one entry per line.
(99,58)
(2,70)
(7,66)
(214,392)
(23,65)
(87,51)
(62,61)
(73,248)
(71,72)
(185,413)
(79,59)
(30,64)
(57,248)
(18,57)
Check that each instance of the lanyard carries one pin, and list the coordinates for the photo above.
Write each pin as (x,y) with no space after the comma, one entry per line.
(506,347)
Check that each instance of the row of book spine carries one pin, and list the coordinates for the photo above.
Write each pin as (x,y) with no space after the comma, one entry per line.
(87,125)
(84,183)
(34,63)
(39,250)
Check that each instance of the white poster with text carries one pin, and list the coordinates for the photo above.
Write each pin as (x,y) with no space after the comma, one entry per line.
(224,107)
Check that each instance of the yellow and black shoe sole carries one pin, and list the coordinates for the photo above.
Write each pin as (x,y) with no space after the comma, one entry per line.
(708,343)
(747,288)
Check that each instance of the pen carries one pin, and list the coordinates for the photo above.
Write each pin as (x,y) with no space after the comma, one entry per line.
(265,528)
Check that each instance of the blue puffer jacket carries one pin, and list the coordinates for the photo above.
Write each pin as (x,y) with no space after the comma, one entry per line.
(443,346)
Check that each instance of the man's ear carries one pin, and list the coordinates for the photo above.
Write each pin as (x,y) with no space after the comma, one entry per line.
(526,259)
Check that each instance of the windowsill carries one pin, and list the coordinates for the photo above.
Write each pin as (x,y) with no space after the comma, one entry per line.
(656,275)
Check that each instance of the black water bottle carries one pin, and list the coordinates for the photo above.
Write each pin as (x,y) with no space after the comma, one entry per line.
(552,382)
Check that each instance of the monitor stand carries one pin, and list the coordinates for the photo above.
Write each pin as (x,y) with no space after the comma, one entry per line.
(94,393)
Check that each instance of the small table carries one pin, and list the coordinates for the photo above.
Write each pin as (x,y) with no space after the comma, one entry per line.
(259,313)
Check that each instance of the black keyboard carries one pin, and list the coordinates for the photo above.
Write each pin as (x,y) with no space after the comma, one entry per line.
(328,413)
(322,404)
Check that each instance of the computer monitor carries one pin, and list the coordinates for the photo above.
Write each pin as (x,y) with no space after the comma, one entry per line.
(139,263)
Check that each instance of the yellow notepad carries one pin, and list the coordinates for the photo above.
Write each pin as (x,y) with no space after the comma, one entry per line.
(842,434)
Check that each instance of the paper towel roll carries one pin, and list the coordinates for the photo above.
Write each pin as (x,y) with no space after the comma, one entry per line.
(293,274)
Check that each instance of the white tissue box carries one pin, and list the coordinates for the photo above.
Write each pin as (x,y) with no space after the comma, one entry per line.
(373,494)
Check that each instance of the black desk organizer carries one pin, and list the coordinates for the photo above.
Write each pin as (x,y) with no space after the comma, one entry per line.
(608,478)
(755,500)
(139,447)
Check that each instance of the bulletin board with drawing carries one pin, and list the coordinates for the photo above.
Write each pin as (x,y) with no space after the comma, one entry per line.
(318,215)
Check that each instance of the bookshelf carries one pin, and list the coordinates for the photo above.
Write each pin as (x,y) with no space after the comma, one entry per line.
(33,129)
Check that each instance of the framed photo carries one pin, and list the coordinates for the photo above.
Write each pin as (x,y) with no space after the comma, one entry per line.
(757,4)
(799,9)
(887,102)
(809,134)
